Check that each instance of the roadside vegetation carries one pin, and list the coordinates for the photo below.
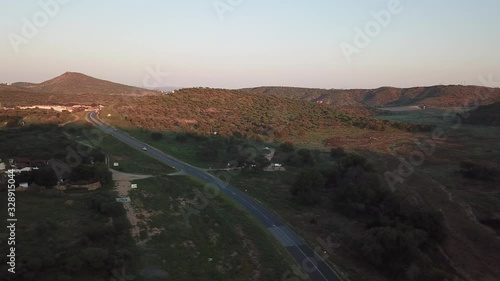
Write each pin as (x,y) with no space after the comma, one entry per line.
(220,242)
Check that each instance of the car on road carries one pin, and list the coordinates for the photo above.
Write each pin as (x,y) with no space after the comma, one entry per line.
(145,148)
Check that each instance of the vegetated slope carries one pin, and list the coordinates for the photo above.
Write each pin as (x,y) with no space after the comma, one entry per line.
(13,89)
(12,97)
(435,96)
(16,117)
(228,112)
(485,115)
(72,83)
(67,89)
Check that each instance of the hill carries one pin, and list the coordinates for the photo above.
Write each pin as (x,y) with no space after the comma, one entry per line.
(435,96)
(72,83)
(229,112)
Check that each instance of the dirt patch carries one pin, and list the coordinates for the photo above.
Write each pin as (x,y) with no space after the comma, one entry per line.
(123,185)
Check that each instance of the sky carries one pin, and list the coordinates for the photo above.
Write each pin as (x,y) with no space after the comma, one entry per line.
(248,43)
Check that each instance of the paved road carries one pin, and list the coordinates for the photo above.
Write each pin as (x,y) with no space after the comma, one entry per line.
(310,262)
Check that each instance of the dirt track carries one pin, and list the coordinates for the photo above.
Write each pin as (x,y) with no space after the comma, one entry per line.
(123,182)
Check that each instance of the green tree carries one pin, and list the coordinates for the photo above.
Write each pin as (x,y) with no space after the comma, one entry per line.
(102,174)
(45,177)
(307,157)
(337,152)
(287,147)
(95,257)
(307,187)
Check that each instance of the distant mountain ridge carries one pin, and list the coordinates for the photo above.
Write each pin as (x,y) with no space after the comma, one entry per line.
(435,96)
(77,87)
(77,83)
(23,84)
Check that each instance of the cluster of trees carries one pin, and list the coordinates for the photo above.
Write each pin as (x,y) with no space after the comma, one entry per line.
(235,150)
(353,184)
(308,186)
(299,158)
(287,147)
(485,115)
(397,240)
(85,174)
(383,125)
(302,158)
(49,142)
(44,176)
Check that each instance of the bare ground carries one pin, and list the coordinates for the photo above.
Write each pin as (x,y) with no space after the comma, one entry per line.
(123,182)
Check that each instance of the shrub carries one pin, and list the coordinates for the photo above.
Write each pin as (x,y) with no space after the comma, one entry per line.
(393,249)
(337,152)
(287,147)
(45,177)
(181,137)
(430,221)
(95,257)
(473,170)
(156,136)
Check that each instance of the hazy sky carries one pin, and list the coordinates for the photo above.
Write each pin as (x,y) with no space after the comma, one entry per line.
(252,42)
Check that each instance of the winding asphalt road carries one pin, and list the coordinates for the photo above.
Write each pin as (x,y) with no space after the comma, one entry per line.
(311,262)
